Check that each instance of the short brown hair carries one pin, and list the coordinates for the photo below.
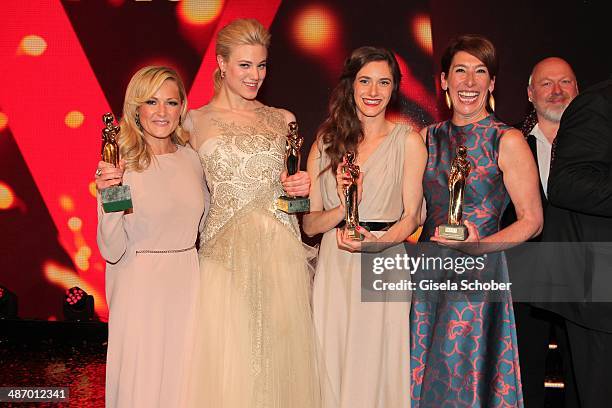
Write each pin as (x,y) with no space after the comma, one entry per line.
(476,45)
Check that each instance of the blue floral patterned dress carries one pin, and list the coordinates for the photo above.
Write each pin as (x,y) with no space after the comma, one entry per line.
(464,352)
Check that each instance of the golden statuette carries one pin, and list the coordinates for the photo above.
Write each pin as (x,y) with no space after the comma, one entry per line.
(351,207)
(114,198)
(110,147)
(457,178)
(293,145)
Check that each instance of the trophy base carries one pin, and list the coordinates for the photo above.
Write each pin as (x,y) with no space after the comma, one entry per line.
(293,205)
(453,232)
(354,234)
(116,198)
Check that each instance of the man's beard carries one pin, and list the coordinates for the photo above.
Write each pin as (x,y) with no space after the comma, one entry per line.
(552,114)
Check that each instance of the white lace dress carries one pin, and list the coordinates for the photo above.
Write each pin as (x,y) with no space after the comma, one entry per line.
(255,346)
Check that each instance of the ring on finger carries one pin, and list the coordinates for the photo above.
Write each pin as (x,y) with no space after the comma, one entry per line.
(98,172)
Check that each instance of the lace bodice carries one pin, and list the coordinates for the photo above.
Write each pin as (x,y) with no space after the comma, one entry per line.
(242,164)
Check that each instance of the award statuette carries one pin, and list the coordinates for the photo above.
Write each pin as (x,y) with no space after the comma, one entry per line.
(460,168)
(114,198)
(287,204)
(351,210)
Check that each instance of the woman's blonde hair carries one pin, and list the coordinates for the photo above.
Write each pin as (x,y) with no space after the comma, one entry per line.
(144,84)
(242,31)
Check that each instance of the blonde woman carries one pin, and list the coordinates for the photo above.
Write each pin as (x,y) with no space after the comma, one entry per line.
(255,342)
(152,269)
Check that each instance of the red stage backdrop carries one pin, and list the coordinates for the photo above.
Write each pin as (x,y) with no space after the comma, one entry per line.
(64,63)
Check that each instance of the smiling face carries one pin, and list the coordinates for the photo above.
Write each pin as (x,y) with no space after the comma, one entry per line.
(159,115)
(468,84)
(372,89)
(551,89)
(244,70)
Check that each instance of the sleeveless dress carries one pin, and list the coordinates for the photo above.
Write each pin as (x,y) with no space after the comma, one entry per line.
(255,341)
(152,275)
(364,348)
(464,352)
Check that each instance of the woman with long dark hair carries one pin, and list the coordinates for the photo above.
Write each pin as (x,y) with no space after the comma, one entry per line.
(363,347)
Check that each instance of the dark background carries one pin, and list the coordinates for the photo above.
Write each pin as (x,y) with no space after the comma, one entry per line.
(524,32)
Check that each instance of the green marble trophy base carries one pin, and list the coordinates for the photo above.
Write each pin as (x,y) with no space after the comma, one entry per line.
(116,198)
(293,205)
(453,232)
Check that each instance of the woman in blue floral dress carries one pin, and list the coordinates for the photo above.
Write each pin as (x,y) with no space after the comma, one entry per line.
(464,351)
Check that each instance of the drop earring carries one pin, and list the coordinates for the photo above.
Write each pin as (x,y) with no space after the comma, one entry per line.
(137,120)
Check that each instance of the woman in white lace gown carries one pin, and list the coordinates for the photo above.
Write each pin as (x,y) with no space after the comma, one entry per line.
(364,348)
(255,341)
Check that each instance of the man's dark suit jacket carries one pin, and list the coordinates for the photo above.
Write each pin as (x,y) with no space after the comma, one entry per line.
(580,207)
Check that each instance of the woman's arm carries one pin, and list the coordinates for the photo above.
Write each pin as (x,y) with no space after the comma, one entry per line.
(523,184)
(415,160)
(318,221)
(111,236)
(521,179)
(298,184)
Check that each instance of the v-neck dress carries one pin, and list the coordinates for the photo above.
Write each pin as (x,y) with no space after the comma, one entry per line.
(364,348)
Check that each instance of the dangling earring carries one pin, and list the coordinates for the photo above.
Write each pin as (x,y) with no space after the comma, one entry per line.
(180,121)
(137,120)
(222,74)
(492,102)
(449,103)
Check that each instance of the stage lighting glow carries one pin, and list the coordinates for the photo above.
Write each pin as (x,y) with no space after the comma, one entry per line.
(62,79)
(314,28)
(67,277)
(7,197)
(198,12)
(32,45)
(81,258)
(414,90)
(81,263)
(3,121)
(75,224)
(74,119)
(92,189)
(84,251)
(421,30)
(66,203)
(397,117)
